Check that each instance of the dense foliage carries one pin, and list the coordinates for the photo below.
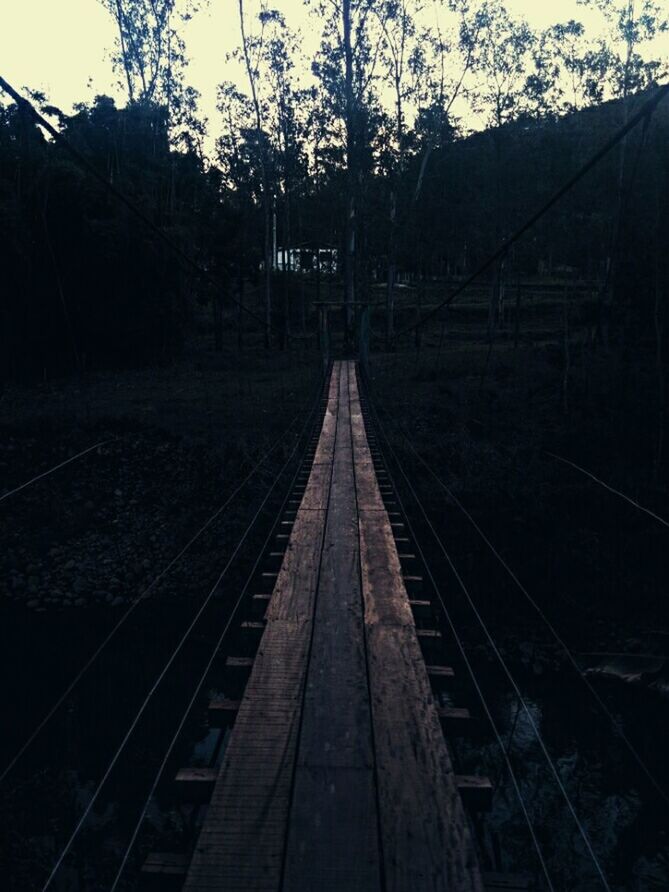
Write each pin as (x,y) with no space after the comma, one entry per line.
(368,155)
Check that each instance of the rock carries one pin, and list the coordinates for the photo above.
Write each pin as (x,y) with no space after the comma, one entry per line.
(70,565)
(80,602)
(79,586)
(118,600)
(32,603)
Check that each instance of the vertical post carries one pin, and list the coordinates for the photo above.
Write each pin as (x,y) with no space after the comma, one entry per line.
(567,354)
(363,349)
(324,337)
(240,297)
(516,321)
(218,322)
(349,236)
(419,313)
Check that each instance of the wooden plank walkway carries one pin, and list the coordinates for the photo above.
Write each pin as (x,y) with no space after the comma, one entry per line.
(336,775)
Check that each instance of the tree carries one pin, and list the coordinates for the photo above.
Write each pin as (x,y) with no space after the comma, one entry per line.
(503,65)
(252,49)
(237,156)
(288,130)
(632,25)
(570,69)
(397,23)
(151,55)
(439,89)
(346,66)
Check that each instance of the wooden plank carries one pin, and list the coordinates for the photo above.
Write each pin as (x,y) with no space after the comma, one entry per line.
(502,882)
(455,720)
(476,791)
(336,775)
(421,608)
(195,784)
(165,863)
(241,843)
(426,841)
(222,712)
(439,674)
(239,662)
(164,871)
(333,840)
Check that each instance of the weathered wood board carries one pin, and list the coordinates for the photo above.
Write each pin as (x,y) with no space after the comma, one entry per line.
(426,841)
(337,776)
(242,842)
(333,832)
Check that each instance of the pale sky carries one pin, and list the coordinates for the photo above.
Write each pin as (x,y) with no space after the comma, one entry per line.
(62,46)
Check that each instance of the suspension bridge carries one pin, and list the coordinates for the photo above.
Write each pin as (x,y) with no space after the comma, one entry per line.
(337,772)
(333,767)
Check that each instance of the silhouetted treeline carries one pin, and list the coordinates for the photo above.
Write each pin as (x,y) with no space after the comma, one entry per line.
(86,284)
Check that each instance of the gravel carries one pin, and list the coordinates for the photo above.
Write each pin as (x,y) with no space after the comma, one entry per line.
(98,532)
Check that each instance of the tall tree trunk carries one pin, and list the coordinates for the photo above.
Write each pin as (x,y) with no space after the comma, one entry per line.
(268,262)
(497,280)
(263,171)
(287,238)
(607,297)
(350,223)
(240,298)
(392,242)
(390,287)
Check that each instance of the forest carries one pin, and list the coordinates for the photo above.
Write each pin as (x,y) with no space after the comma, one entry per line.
(384,130)
(470,202)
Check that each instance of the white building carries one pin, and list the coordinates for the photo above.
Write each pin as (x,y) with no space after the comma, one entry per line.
(307,258)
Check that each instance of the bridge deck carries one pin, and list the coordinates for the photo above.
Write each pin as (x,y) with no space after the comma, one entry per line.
(337,775)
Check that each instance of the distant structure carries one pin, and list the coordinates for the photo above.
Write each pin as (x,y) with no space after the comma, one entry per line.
(307,257)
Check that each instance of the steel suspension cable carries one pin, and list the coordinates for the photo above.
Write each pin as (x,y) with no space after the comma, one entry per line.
(616,492)
(463,653)
(202,679)
(84,162)
(147,699)
(132,606)
(503,664)
(62,464)
(642,114)
(549,625)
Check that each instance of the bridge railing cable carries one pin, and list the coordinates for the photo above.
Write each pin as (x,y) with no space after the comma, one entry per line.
(540,612)
(502,662)
(163,672)
(90,168)
(470,669)
(201,680)
(610,488)
(142,596)
(57,467)
(643,114)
